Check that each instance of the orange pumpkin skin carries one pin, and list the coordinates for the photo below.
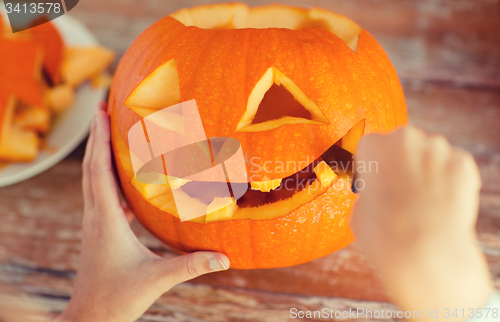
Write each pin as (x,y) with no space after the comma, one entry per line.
(219,69)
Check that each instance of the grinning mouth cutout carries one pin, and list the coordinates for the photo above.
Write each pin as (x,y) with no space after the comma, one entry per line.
(206,181)
(339,158)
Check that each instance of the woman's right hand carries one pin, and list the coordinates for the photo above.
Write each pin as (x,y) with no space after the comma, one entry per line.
(415,221)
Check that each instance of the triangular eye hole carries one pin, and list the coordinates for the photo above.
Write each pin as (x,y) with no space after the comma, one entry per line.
(159,90)
(276,101)
(272,106)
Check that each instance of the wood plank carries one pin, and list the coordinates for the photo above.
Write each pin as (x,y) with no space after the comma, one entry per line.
(446,41)
(186,302)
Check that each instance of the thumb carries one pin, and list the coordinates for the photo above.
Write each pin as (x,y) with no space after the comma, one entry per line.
(186,267)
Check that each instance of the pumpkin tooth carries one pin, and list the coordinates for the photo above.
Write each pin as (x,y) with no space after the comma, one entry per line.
(351,139)
(265,186)
(148,190)
(325,174)
(221,209)
(175,182)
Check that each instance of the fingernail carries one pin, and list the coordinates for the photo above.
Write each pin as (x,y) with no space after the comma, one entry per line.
(353,187)
(217,265)
(100,106)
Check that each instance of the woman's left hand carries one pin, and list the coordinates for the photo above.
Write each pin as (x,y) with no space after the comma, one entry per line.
(119,278)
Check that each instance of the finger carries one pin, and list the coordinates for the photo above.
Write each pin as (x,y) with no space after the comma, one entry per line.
(102,178)
(128,213)
(368,146)
(468,166)
(86,184)
(186,267)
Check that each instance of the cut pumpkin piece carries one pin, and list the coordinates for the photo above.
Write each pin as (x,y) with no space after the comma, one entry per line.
(325,174)
(265,186)
(49,39)
(20,70)
(7,108)
(275,101)
(351,140)
(101,80)
(32,118)
(159,90)
(221,209)
(60,98)
(19,146)
(16,144)
(81,63)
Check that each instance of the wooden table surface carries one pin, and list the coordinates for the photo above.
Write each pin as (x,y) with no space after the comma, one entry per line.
(447,54)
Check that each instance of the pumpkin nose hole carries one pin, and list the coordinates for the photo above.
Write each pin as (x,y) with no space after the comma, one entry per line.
(278,103)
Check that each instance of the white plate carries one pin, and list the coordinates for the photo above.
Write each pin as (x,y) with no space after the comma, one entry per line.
(72,126)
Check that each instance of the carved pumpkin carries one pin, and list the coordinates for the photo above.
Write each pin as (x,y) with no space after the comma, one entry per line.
(287,83)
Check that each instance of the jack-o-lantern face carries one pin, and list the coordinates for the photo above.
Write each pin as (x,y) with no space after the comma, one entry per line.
(287,83)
